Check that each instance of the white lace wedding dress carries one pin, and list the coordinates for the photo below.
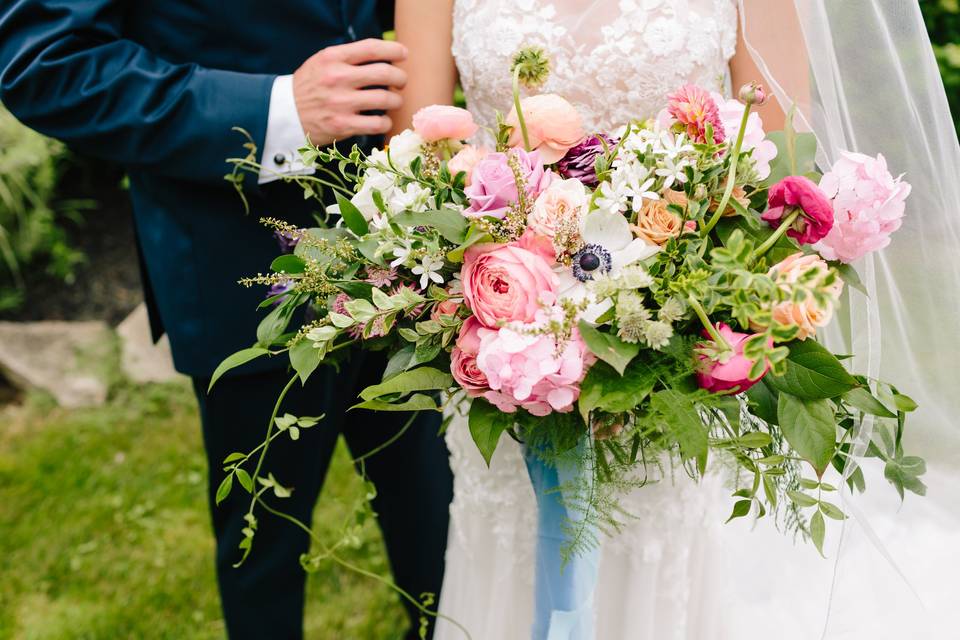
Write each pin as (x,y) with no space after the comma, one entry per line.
(659,579)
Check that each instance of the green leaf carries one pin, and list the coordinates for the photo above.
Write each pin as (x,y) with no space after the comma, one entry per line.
(850,276)
(399,361)
(224,489)
(245,480)
(683,423)
(810,428)
(449,223)
(487,424)
(304,358)
(416,402)
(233,457)
(904,403)
(422,379)
(603,388)
(352,217)
(863,400)
(608,347)
(288,264)
(813,373)
(755,440)
(818,531)
(740,509)
(831,511)
(801,499)
(474,236)
(763,402)
(902,474)
(235,360)
(796,154)
(275,322)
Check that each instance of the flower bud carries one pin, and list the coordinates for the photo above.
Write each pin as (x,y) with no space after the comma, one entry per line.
(532,65)
(752,93)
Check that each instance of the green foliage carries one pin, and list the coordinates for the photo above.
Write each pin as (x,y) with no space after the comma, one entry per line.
(31,231)
(943,24)
(487,424)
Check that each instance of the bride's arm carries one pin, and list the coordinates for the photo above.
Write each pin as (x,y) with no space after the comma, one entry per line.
(426,28)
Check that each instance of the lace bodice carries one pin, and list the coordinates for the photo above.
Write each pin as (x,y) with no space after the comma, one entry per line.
(615,60)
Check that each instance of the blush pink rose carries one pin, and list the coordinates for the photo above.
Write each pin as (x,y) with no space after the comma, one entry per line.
(531,371)
(559,207)
(443,122)
(816,212)
(726,371)
(463,359)
(868,205)
(807,315)
(553,126)
(493,185)
(465,160)
(506,283)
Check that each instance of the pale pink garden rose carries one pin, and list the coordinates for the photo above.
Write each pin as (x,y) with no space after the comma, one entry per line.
(506,282)
(560,206)
(754,137)
(807,316)
(463,359)
(465,160)
(443,122)
(493,185)
(553,126)
(868,204)
(531,371)
(728,372)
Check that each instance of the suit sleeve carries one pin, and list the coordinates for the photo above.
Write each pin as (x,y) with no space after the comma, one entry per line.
(67,71)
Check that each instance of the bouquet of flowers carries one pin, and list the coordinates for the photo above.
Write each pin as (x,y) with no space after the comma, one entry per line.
(622,297)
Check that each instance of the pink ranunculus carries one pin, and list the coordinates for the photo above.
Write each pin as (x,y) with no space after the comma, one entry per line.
(531,370)
(693,107)
(443,122)
(506,282)
(754,137)
(465,160)
(463,359)
(726,371)
(868,205)
(816,212)
(553,126)
(493,188)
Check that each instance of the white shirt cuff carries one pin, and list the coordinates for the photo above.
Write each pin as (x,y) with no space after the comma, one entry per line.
(284,135)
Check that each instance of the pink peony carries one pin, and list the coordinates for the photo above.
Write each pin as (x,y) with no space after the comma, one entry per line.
(868,205)
(693,107)
(720,370)
(443,122)
(754,138)
(816,212)
(532,371)
(553,126)
(465,160)
(463,359)
(506,282)
(493,188)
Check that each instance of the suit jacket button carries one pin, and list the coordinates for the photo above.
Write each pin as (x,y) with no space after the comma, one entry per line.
(279,159)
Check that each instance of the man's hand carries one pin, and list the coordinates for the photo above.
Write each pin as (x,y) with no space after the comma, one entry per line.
(330,95)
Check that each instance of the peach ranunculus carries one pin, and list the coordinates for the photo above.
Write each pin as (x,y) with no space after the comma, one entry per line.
(558,210)
(553,126)
(657,224)
(443,122)
(807,315)
(465,160)
(463,359)
(505,282)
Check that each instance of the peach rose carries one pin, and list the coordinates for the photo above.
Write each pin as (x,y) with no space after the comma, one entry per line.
(448,307)
(657,224)
(553,126)
(465,160)
(739,194)
(505,282)
(443,122)
(463,359)
(807,315)
(559,208)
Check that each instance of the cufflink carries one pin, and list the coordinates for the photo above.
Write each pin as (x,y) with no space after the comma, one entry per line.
(279,159)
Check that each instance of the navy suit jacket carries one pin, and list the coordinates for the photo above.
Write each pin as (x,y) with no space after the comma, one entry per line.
(157,86)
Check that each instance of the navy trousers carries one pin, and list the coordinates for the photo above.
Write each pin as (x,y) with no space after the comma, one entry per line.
(264,598)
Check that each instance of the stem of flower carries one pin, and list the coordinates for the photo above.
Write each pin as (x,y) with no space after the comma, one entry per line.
(772,240)
(731,176)
(516,104)
(705,321)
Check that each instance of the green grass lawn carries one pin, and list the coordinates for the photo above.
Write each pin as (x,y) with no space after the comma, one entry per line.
(104,529)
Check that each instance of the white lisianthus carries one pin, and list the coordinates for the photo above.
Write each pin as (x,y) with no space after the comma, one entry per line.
(413,197)
(404,147)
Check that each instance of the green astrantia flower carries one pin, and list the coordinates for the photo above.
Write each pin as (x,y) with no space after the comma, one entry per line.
(533,66)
